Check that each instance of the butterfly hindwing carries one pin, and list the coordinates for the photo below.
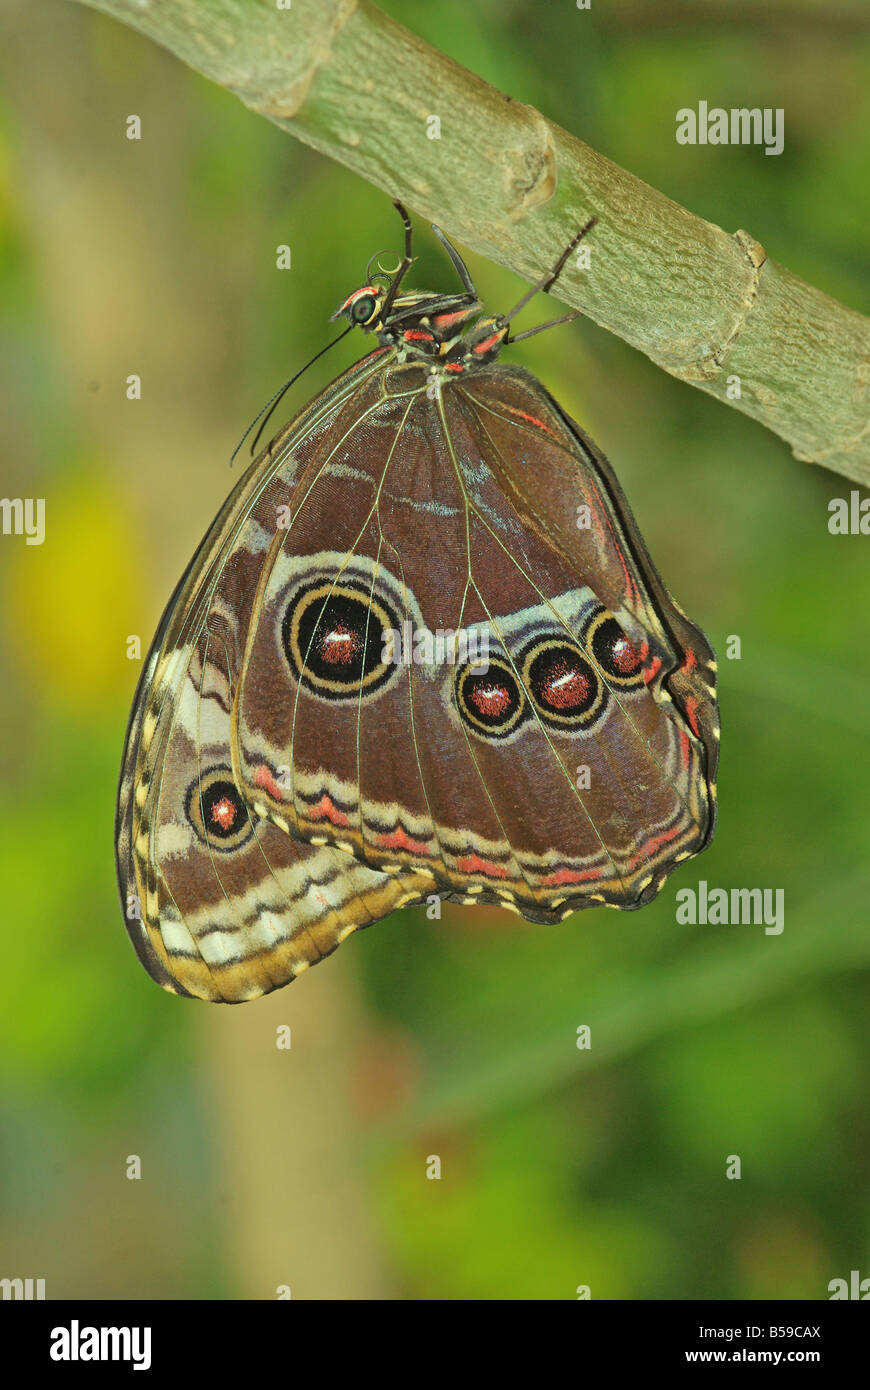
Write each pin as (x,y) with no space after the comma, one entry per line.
(458,513)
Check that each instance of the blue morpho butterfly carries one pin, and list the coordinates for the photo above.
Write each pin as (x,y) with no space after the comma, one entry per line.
(422,651)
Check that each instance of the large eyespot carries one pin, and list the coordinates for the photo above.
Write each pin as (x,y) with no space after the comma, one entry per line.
(617,657)
(217,812)
(363,308)
(490,700)
(335,636)
(567,691)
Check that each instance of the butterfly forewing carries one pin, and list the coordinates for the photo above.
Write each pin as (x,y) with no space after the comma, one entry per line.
(219,903)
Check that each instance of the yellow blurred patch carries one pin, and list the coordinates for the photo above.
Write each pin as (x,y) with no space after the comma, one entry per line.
(70,603)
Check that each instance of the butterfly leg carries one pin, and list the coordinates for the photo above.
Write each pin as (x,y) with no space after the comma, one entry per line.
(546,281)
(551,323)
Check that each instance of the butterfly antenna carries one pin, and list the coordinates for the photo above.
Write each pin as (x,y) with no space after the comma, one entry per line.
(270,406)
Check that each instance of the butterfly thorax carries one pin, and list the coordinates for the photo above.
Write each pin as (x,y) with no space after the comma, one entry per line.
(427,327)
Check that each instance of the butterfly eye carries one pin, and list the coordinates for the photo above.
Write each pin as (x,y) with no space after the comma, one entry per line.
(335,637)
(217,812)
(613,651)
(490,700)
(363,308)
(567,691)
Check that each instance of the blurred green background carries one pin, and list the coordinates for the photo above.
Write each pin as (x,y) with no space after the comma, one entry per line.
(561,1167)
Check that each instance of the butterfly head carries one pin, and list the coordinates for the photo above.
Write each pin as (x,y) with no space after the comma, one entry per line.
(363,309)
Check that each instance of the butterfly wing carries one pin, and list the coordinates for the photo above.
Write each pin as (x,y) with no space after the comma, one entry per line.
(578,766)
(571,496)
(220,904)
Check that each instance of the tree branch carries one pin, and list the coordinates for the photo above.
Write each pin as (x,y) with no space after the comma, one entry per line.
(705,306)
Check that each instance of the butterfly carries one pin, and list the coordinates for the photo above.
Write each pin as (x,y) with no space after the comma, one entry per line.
(421,653)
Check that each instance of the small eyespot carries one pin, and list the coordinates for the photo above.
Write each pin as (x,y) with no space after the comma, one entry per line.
(613,651)
(334,637)
(491,700)
(217,812)
(567,690)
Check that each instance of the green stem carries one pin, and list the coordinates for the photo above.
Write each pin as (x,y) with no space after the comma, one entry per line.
(706,306)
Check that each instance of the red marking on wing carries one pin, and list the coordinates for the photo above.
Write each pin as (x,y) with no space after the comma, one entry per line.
(532,419)
(684,747)
(656,842)
(652,670)
(630,586)
(326,809)
(223,813)
(340,645)
(453,367)
(561,876)
(566,686)
(624,656)
(489,697)
(413,334)
(263,778)
(692,714)
(399,839)
(473,864)
(690,662)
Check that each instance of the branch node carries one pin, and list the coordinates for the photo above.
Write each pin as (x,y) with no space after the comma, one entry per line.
(530,171)
(756,256)
(286,104)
